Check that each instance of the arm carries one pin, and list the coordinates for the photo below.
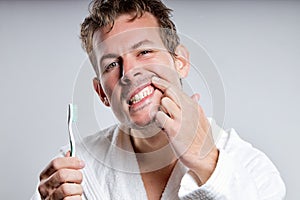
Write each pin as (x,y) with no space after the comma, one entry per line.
(233,171)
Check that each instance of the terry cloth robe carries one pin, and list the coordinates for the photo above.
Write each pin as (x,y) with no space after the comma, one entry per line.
(112,171)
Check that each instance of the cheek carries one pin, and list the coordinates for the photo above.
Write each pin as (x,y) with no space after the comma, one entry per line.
(108,91)
(166,60)
(108,87)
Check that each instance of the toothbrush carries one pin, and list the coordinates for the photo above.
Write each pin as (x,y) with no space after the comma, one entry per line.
(72,117)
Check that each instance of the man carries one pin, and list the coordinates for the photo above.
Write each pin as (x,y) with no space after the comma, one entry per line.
(163,147)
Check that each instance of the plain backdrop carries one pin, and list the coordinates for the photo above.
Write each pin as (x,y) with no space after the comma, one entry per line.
(255,45)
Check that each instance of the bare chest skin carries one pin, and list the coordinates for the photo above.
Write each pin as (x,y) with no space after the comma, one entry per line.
(155,182)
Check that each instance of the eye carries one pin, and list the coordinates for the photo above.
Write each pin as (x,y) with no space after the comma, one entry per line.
(111,66)
(144,52)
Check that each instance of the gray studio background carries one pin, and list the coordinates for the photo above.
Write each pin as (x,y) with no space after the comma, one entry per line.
(256,46)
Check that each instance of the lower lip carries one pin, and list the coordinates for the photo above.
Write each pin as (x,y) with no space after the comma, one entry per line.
(141,104)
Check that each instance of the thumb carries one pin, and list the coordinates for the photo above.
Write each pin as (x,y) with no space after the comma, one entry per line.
(196,97)
(68,154)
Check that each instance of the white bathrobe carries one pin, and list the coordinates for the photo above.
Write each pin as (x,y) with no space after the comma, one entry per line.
(112,172)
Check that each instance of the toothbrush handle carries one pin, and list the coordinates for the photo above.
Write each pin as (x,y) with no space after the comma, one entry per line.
(71,135)
(72,141)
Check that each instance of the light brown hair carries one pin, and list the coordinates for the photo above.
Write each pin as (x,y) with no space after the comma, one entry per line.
(105,12)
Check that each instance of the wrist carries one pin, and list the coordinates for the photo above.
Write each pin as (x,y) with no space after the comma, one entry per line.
(204,167)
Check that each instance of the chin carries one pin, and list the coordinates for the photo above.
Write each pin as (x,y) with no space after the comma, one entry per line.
(141,123)
(145,128)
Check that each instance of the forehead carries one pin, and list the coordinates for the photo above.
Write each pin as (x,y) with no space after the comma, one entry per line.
(126,33)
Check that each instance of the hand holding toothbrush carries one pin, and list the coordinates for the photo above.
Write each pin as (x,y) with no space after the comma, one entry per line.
(61,179)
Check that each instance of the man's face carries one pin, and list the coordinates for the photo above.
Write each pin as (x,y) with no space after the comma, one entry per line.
(128,56)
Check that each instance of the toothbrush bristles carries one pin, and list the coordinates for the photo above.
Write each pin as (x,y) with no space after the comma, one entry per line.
(74,113)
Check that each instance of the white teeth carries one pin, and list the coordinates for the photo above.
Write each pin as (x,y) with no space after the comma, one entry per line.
(142,94)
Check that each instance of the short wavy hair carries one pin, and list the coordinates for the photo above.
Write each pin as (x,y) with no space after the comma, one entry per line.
(104,12)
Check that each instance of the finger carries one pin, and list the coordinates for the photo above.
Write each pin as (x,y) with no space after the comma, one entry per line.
(77,197)
(203,119)
(59,163)
(59,177)
(166,123)
(44,192)
(66,190)
(167,88)
(196,97)
(64,176)
(169,107)
(68,154)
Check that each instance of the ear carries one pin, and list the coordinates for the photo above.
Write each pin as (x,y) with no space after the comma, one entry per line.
(182,61)
(99,90)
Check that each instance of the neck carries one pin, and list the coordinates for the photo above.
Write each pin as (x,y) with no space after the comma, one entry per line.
(154,152)
(149,144)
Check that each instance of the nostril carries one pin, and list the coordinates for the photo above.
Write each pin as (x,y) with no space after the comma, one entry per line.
(130,76)
(125,80)
(137,74)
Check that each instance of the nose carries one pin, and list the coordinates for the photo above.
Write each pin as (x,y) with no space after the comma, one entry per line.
(131,75)
(130,70)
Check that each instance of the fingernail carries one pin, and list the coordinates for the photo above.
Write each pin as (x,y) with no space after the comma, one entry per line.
(155,79)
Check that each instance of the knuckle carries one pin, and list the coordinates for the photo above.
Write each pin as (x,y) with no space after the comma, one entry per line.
(42,190)
(45,191)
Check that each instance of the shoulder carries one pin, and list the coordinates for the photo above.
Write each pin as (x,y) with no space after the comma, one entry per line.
(230,143)
(249,157)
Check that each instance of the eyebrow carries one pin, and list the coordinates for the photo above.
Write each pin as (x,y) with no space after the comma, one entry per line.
(141,43)
(107,56)
(133,47)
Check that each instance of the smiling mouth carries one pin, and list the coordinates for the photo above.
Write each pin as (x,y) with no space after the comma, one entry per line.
(141,95)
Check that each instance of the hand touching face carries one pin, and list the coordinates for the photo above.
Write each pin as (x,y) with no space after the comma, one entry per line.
(185,123)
